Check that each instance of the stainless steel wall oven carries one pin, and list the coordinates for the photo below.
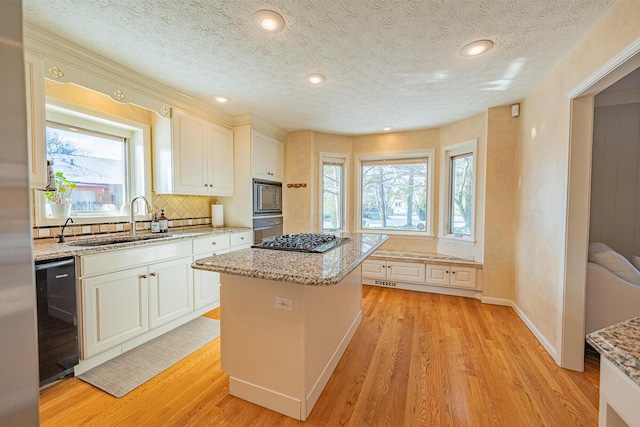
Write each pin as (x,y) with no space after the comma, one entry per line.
(267,197)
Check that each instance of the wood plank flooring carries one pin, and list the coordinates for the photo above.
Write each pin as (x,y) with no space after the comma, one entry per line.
(417,359)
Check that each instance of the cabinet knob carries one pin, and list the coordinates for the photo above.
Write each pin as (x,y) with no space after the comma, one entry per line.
(242,238)
(143,276)
(213,243)
(206,185)
(453,272)
(446,271)
(153,274)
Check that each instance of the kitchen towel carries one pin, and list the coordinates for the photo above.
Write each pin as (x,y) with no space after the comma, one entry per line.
(217,216)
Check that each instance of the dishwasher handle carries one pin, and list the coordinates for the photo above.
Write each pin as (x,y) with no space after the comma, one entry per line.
(54,264)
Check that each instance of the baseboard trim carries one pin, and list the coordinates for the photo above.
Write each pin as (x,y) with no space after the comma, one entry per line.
(536,333)
(497,301)
(323,379)
(265,397)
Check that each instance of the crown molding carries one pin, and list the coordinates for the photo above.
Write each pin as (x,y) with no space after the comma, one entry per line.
(260,124)
(104,73)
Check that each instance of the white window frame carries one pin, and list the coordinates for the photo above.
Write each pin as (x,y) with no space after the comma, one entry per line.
(448,153)
(139,157)
(342,159)
(429,154)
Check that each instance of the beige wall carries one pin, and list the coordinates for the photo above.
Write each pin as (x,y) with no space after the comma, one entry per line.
(542,168)
(298,204)
(499,213)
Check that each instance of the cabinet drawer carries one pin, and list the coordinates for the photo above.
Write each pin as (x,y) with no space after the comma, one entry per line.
(217,242)
(120,259)
(405,271)
(243,238)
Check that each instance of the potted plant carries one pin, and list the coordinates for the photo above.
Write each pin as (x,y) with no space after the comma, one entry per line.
(60,199)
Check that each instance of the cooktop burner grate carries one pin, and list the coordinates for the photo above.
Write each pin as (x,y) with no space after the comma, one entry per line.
(302,242)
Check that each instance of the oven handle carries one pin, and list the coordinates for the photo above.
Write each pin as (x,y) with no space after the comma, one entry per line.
(54,264)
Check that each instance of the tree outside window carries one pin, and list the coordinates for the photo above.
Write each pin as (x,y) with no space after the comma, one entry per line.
(394,194)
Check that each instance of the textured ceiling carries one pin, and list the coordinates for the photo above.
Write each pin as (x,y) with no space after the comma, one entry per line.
(388,62)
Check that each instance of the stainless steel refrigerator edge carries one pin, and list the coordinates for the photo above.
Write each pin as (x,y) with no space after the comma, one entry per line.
(19,355)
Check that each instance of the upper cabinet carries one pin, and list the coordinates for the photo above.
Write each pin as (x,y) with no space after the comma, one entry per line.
(34,82)
(267,157)
(192,156)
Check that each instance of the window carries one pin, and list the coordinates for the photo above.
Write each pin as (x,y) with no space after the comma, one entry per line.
(459,209)
(395,193)
(103,155)
(96,162)
(333,184)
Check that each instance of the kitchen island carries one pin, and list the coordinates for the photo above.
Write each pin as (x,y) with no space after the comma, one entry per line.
(287,318)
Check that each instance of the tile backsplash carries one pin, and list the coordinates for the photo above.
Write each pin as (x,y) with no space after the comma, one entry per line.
(181,210)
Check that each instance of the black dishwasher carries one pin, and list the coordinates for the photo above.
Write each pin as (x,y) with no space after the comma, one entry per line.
(57,318)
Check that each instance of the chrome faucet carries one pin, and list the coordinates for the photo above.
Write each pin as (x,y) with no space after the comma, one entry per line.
(132,218)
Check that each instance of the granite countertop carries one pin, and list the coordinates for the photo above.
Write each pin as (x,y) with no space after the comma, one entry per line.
(51,249)
(422,257)
(315,269)
(620,344)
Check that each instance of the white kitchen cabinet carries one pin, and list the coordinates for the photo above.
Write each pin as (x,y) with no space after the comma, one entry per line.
(170,290)
(450,275)
(192,156)
(394,270)
(36,124)
(115,309)
(267,157)
(206,284)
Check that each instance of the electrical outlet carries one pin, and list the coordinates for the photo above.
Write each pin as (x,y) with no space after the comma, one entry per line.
(515,110)
(284,303)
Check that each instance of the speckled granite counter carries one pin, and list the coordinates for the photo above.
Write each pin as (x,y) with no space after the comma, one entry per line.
(620,344)
(318,269)
(423,257)
(51,249)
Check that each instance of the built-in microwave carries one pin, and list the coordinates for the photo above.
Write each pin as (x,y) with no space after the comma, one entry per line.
(267,197)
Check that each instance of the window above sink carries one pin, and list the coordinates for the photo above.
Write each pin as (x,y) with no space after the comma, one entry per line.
(104,155)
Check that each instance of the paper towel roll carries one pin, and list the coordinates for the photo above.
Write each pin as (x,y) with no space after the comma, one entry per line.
(217,216)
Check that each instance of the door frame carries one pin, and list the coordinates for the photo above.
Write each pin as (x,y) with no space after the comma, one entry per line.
(573,289)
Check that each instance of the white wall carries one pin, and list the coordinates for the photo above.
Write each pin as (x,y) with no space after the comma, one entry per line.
(615,178)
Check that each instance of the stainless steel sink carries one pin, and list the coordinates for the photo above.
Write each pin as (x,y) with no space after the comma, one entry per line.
(102,241)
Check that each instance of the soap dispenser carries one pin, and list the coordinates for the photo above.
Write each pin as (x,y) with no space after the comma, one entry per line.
(155,224)
(164,222)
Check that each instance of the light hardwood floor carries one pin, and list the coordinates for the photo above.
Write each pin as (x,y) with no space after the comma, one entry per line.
(416,359)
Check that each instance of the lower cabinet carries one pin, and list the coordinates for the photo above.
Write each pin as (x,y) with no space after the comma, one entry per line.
(115,309)
(394,273)
(170,291)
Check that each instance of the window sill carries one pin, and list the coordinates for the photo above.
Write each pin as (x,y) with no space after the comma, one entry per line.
(84,220)
(450,238)
(409,234)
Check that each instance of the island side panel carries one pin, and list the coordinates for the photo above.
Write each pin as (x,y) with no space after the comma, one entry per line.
(331,316)
(260,344)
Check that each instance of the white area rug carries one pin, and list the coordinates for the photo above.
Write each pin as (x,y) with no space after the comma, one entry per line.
(123,373)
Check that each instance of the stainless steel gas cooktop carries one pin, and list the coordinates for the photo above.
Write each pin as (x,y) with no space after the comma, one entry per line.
(302,242)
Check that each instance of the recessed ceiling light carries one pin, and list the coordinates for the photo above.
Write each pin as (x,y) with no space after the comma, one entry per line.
(221,99)
(268,21)
(476,48)
(316,78)
(387,129)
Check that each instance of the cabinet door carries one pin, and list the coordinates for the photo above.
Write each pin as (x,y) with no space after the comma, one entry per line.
(374,268)
(189,140)
(463,277)
(115,309)
(34,79)
(241,240)
(220,158)
(276,159)
(405,271)
(260,155)
(206,284)
(438,274)
(170,291)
